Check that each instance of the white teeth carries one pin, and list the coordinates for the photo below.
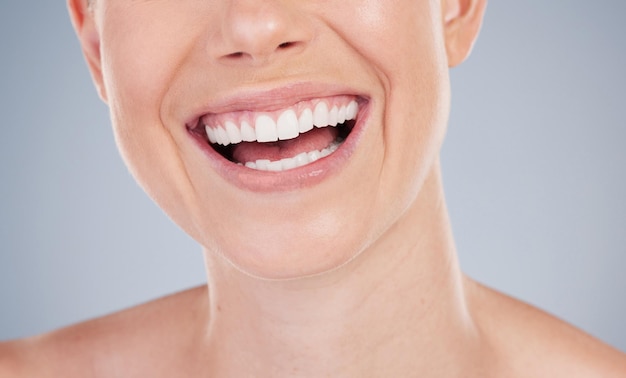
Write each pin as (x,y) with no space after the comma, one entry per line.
(297,161)
(210,134)
(234,135)
(332,116)
(320,114)
(341,116)
(275,166)
(287,126)
(222,137)
(352,110)
(301,159)
(306,121)
(247,132)
(265,129)
(288,164)
(314,155)
(262,164)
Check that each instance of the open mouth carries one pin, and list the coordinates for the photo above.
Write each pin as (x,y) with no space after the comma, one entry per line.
(283,139)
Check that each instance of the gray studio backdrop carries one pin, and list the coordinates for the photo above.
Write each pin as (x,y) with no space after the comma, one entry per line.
(534,166)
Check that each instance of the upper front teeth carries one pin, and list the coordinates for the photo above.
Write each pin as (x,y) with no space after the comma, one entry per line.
(287,125)
(265,128)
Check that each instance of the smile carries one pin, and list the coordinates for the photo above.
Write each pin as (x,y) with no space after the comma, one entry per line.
(282,139)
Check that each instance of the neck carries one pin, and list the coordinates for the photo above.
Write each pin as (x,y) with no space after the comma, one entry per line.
(399,307)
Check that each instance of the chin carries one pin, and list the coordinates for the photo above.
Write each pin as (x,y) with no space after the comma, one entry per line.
(281,256)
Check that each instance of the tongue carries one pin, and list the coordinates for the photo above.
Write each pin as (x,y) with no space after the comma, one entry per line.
(316,139)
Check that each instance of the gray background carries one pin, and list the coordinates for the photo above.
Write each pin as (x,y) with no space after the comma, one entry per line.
(534,169)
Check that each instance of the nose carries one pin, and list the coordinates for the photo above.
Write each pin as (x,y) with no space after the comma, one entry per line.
(255,31)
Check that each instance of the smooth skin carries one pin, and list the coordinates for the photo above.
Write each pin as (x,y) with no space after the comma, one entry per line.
(370,285)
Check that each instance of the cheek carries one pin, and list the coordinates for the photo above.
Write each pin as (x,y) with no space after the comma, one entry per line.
(143,44)
(405,44)
(403,41)
(140,57)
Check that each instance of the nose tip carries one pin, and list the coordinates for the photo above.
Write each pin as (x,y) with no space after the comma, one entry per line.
(255,32)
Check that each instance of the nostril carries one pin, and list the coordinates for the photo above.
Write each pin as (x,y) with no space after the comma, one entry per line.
(285,45)
(240,54)
(237,54)
(282,46)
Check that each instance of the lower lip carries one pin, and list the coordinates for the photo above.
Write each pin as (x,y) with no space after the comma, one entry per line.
(293,179)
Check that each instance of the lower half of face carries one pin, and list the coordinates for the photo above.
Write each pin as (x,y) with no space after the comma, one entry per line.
(286,150)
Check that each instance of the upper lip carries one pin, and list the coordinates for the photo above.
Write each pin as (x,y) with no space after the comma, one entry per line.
(271,99)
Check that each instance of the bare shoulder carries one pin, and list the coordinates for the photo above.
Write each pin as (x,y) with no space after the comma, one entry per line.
(530,342)
(120,344)
(10,360)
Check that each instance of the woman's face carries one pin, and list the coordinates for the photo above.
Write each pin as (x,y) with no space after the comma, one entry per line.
(265,69)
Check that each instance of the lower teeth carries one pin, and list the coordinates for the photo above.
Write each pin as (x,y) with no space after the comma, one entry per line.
(294,162)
